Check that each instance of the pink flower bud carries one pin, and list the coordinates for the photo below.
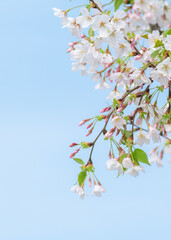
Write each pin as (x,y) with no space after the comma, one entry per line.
(118,69)
(90,183)
(130,102)
(71,44)
(103,110)
(108,109)
(106,119)
(131,81)
(83,122)
(73,145)
(108,65)
(108,73)
(120,109)
(132,46)
(82,35)
(89,132)
(118,131)
(132,39)
(89,125)
(69,50)
(138,57)
(109,134)
(73,154)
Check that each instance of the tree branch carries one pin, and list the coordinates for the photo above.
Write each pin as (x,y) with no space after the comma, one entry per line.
(96,5)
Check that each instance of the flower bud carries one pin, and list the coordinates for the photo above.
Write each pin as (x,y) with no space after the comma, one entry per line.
(73,154)
(83,122)
(89,125)
(73,145)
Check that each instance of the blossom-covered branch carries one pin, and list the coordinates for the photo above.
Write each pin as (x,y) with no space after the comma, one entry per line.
(125,46)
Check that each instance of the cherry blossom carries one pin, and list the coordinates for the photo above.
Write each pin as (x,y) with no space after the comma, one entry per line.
(124,47)
(134,171)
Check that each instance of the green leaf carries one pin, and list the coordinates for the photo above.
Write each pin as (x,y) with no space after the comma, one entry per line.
(91,32)
(126,132)
(140,156)
(145,36)
(154,54)
(81,177)
(90,168)
(79,160)
(118,4)
(102,51)
(108,13)
(85,145)
(122,157)
(167,32)
(158,43)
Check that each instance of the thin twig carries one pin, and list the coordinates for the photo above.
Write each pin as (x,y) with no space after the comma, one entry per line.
(138,128)
(93,143)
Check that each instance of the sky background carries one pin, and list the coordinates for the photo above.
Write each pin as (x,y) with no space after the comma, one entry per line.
(41,103)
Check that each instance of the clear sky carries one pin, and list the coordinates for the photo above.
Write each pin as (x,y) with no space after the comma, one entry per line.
(41,103)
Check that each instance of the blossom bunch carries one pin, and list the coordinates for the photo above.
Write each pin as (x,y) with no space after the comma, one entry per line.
(125,47)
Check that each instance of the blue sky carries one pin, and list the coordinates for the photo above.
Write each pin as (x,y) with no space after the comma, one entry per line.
(41,103)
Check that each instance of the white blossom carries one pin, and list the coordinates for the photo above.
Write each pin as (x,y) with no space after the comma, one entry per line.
(165,67)
(155,159)
(118,122)
(79,190)
(113,164)
(85,19)
(97,190)
(127,162)
(117,20)
(102,25)
(142,138)
(134,171)
(168,127)
(154,134)
(167,42)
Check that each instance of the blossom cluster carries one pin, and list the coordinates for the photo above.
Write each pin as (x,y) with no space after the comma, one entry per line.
(125,46)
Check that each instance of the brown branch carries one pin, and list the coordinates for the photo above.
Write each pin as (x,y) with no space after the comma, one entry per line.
(136,49)
(128,92)
(142,95)
(94,142)
(132,122)
(95,5)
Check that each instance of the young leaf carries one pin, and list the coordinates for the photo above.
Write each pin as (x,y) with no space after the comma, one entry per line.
(154,54)
(79,160)
(91,32)
(122,157)
(167,32)
(158,43)
(141,156)
(81,177)
(145,36)
(90,168)
(117,4)
(108,13)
